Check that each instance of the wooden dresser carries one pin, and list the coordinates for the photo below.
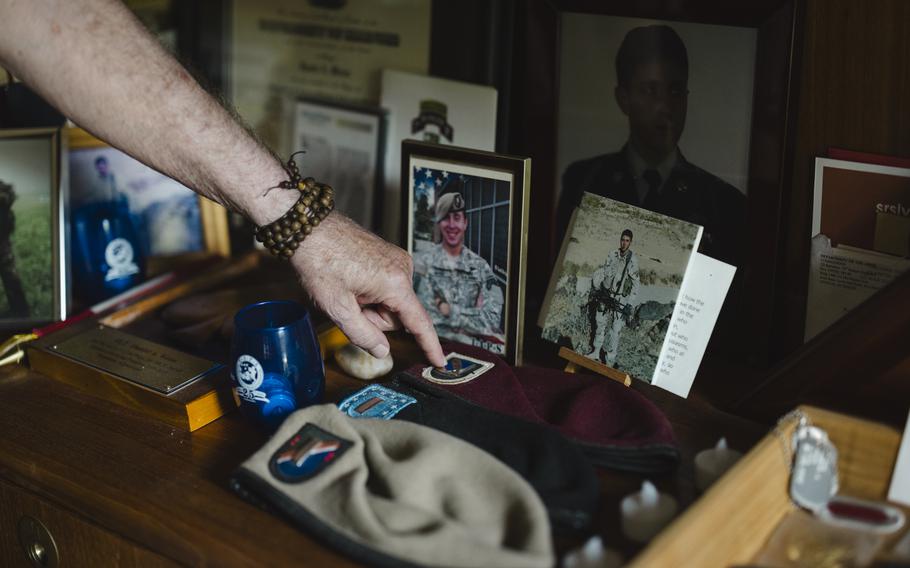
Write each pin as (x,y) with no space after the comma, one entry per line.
(112,487)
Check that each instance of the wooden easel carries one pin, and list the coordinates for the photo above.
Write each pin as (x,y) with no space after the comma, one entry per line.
(575,360)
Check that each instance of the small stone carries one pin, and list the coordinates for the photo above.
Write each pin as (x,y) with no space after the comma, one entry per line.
(359,364)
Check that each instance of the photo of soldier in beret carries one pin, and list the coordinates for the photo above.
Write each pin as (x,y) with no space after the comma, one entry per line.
(649,170)
(459,289)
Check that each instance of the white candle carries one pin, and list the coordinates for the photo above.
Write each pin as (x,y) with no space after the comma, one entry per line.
(592,554)
(712,463)
(645,513)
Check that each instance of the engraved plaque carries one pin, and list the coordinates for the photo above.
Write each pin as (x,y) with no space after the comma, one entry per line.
(134,359)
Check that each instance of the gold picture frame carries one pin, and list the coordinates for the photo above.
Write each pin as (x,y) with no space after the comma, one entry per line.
(213,219)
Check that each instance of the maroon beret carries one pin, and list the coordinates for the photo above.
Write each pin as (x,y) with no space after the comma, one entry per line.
(614,425)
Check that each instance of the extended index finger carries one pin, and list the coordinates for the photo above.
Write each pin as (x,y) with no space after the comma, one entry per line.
(416,320)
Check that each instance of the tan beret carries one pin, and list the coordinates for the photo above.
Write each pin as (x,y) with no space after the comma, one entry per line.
(448,203)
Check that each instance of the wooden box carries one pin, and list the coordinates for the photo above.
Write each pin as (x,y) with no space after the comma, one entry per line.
(733,520)
(188,408)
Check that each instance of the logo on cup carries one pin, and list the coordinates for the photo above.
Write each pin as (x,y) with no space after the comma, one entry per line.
(119,256)
(248,372)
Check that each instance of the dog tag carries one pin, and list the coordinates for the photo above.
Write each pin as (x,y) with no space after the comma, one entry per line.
(813,481)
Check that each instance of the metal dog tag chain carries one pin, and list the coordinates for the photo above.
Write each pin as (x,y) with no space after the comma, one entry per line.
(813,477)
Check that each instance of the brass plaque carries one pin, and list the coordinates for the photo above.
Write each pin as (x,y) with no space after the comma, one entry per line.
(134,359)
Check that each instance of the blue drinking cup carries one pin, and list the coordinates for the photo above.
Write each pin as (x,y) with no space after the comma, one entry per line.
(275,361)
(107,256)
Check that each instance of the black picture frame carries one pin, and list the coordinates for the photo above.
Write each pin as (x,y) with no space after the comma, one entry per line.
(748,317)
(482,169)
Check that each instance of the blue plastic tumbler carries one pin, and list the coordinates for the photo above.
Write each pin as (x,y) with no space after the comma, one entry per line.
(107,256)
(275,361)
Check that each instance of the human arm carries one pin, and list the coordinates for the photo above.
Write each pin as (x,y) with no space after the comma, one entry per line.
(99,66)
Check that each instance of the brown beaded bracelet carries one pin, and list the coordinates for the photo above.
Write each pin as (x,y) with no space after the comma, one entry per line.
(282,236)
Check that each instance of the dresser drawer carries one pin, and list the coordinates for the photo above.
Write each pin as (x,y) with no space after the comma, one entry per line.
(36,533)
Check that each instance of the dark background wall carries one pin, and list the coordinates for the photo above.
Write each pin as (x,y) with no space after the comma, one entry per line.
(854,93)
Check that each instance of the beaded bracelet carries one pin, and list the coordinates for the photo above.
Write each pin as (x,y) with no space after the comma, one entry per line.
(282,236)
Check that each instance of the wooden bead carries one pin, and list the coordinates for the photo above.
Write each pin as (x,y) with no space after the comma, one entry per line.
(316,200)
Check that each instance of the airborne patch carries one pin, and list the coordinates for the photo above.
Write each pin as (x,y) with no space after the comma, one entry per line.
(375,401)
(306,453)
(459,369)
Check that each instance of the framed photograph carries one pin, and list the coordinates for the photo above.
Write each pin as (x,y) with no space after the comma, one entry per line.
(33,265)
(173,222)
(465,223)
(695,91)
(344,148)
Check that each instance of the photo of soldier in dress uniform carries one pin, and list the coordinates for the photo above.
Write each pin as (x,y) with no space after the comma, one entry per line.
(460,248)
(623,126)
(614,287)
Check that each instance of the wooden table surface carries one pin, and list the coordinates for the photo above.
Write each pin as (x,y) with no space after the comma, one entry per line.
(166,490)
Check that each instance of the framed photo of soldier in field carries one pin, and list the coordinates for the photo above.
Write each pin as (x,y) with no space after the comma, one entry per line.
(33,270)
(465,223)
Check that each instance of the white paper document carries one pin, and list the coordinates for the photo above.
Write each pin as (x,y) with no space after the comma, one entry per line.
(433,110)
(701,297)
(841,278)
(342,145)
(900,479)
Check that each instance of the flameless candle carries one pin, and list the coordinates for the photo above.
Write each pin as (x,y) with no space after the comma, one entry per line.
(710,464)
(645,513)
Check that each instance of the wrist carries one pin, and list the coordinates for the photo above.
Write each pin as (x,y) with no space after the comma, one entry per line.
(268,206)
(251,187)
(284,235)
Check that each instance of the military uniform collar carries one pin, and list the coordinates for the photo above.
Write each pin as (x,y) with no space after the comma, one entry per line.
(638,164)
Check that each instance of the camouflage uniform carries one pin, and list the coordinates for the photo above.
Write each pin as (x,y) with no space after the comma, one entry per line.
(12,285)
(614,288)
(466,283)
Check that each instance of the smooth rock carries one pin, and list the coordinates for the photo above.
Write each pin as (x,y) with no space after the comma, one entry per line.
(359,364)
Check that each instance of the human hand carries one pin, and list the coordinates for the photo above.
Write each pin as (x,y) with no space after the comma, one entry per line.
(444,308)
(363,284)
